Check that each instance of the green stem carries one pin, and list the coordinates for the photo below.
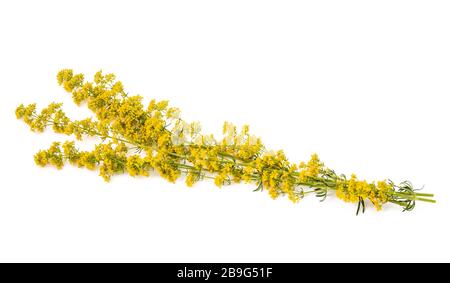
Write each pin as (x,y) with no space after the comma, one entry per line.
(424,195)
(412,196)
(426,200)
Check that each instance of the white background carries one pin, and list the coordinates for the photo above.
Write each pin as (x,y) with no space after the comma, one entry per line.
(363,83)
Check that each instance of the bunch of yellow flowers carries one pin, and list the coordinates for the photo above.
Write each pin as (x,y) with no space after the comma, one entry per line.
(137,140)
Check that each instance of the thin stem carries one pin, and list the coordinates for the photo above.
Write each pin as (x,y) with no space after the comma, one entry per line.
(426,200)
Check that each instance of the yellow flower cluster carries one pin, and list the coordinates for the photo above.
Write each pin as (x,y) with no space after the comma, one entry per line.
(356,190)
(52,156)
(138,166)
(137,140)
(310,170)
(109,158)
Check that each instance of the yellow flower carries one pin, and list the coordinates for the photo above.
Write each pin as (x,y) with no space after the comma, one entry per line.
(98,77)
(20,111)
(137,166)
(64,76)
(117,88)
(220,180)
(173,113)
(70,152)
(41,158)
(273,181)
(248,174)
(295,198)
(74,82)
(191,179)
(135,140)
(312,169)
(273,193)
(162,105)
(88,160)
(53,156)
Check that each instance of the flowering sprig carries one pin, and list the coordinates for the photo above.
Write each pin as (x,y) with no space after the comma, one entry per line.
(138,140)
